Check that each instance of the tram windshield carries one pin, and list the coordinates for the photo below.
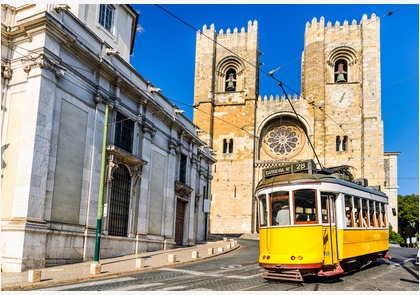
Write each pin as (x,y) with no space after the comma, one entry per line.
(280,208)
(305,206)
(275,209)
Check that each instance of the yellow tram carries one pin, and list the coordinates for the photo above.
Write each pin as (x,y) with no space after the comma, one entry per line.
(312,222)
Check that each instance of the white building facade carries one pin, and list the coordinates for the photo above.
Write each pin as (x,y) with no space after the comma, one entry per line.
(61,66)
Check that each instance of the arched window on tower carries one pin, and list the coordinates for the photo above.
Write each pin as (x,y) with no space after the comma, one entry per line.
(345,143)
(230,80)
(228,146)
(340,71)
(341,143)
(337,143)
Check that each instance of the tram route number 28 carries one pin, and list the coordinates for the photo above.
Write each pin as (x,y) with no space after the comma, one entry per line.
(308,165)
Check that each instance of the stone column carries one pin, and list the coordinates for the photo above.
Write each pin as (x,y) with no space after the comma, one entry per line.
(191,206)
(169,221)
(25,176)
(146,152)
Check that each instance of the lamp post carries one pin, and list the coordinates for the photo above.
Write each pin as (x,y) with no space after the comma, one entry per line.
(101,191)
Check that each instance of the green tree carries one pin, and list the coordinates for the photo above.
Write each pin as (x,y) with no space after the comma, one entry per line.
(408,215)
(395,237)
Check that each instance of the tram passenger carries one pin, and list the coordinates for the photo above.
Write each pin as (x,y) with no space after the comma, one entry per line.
(374,219)
(380,221)
(364,219)
(371,218)
(357,219)
(283,216)
(302,217)
(348,219)
(357,216)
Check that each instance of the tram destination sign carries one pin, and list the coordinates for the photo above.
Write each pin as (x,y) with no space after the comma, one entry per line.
(306,166)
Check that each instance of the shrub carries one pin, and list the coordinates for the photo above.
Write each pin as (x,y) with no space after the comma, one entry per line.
(395,237)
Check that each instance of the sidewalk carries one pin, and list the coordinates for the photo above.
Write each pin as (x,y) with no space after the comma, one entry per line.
(78,272)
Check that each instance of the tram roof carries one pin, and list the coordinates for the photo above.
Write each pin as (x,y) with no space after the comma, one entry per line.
(299,178)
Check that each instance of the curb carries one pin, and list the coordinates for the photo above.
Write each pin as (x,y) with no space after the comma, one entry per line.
(52,283)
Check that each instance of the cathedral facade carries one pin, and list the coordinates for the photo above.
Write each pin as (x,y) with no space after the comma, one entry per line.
(336,120)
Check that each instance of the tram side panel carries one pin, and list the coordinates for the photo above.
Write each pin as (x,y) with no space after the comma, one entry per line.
(292,246)
(355,241)
(359,242)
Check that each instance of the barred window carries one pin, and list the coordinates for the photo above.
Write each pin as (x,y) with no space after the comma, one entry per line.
(124,131)
(119,202)
(106,13)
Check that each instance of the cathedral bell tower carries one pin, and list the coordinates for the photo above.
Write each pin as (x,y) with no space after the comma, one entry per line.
(341,75)
(225,94)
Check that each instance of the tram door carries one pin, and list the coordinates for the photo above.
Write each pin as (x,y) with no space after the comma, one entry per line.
(329,229)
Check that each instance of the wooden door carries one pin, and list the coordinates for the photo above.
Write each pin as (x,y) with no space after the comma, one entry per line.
(179,222)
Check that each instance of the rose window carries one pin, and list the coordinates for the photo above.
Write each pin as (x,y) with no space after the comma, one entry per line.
(283,141)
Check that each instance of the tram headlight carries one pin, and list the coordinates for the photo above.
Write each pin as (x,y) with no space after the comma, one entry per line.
(268,257)
(300,257)
(292,257)
(263,257)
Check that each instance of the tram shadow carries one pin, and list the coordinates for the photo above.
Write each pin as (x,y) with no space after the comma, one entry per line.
(348,272)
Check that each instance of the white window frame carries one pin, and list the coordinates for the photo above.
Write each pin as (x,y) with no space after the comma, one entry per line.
(103,24)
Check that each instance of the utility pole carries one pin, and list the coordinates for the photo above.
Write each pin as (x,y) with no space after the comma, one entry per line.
(101,191)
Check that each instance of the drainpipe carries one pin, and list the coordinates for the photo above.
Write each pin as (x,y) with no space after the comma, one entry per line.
(207,196)
(101,190)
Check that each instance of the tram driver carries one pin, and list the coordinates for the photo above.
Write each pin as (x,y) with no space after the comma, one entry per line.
(283,216)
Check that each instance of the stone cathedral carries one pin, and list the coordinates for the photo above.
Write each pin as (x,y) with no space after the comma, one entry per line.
(339,108)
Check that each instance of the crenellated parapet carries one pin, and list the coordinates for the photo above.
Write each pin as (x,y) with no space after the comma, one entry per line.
(315,25)
(230,37)
(317,30)
(277,98)
(208,31)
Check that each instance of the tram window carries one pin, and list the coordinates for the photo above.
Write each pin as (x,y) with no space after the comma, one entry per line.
(326,207)
(371,215)
(263,210)
(356,211)
(348,211)
(383,214)
(305,206)
(377,215)
(365,210)
(280,214)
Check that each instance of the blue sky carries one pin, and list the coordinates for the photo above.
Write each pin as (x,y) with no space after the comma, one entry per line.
(164,53)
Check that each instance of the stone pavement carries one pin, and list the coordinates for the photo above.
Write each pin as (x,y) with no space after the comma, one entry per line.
(124,265)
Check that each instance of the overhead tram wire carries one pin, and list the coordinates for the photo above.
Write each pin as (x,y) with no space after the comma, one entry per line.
(253,65)
(270,75)
(304,130)
(227,122)
(389,13)
(234,53)
(267,73)
(81,86)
